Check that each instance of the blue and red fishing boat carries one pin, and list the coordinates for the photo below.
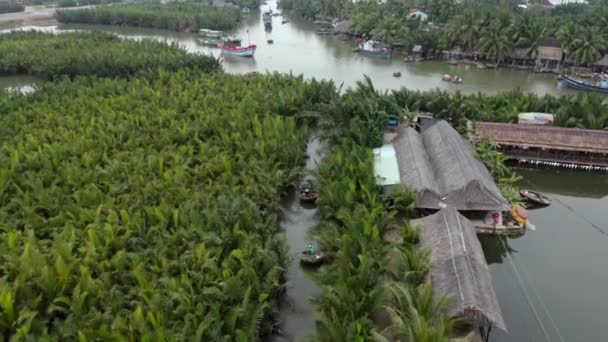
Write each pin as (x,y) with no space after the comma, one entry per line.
(375,49)
(233,47)
(572,83)
(230,48)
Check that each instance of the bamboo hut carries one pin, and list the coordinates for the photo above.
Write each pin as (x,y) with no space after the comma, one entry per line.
(441,167)
(549,143)
(602,64)
(459,269)
(550,54)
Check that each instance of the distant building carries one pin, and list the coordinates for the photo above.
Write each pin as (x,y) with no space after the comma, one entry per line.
(418,14)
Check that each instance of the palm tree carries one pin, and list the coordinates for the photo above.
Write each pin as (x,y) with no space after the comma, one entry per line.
(495,42)
(567,35)
(466,30)
(588,46)
(386,30)
(529,34)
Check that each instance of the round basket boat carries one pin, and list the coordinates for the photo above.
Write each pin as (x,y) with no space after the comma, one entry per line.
(312,259)
(535,198)
(520,215)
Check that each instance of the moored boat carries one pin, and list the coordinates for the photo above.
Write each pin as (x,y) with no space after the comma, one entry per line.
(211,33)
(456,79)
(535,198)
(375,49)
(535,118)
(312,259)
(234,48)
(267,19)
(582,85)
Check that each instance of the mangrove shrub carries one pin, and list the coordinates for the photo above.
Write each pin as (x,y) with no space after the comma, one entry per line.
(71,54)
(175,16)
(146,209)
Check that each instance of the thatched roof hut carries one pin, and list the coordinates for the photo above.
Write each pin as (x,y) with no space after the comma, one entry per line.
(441,166)
(547,137)
(550,53)
(342,27)
(459,268)
(415,169)
(602,62)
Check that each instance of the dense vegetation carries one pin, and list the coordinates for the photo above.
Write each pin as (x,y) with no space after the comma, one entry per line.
(176,16)
(70,54)
(583,110)
(10,7)
(74,3)
(365,269)
(492,28)
(147,209)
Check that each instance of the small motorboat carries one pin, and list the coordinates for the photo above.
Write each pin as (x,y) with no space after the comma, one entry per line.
(312,259)
(446,77)
(397,74)
(307,193)
(452,62)
(270,41)
(535,198)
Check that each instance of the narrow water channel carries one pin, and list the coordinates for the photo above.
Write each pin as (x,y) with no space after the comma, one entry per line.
(296,311)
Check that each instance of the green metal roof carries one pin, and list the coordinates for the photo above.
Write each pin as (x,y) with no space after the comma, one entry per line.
(386,168)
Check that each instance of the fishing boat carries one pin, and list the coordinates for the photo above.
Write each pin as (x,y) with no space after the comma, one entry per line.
(312,259)
(213,34)
(571,83)
(267,19)
(375,49)
(210,38)
(234,48)
(535,198)
(456,79)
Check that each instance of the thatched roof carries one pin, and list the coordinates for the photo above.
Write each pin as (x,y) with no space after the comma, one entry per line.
(459,268)
(519,53)
(549,137)
(603,61)
(342,26)
(415,168)
(440,165)
(550,53)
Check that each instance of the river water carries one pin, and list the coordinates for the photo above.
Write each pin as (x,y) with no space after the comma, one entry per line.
(552,286)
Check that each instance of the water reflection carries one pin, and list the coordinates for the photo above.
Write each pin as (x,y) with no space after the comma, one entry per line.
(495,248)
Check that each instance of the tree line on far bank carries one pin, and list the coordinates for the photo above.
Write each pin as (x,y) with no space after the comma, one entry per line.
(11,7)
(174,16)
(494,29)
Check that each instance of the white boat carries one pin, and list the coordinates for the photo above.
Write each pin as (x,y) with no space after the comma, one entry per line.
(211,33)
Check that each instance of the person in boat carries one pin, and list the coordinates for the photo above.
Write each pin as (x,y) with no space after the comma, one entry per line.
(311,249)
